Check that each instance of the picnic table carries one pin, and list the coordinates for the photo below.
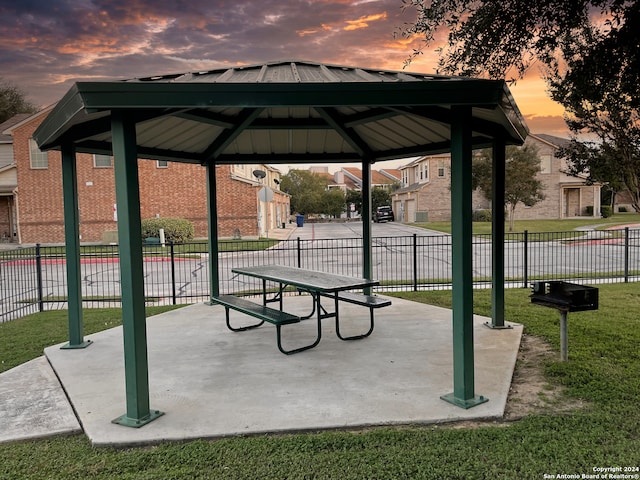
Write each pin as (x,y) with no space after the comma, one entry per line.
(316,284)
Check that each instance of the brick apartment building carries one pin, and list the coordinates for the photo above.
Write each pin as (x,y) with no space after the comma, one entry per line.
(8,181)
(167,189)
(350,178)
(425,194)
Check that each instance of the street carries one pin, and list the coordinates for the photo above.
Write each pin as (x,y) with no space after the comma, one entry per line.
(399,260)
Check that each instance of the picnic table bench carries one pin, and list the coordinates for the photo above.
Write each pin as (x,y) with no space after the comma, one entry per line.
(317,284)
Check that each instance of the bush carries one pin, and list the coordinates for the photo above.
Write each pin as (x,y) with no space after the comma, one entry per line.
(606,211)
(482,216)
(176,230)
(622,209)
(588,210)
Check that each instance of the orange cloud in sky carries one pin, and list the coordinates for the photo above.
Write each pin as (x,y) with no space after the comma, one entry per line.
(311,31)
(362,22)
(87,44)
(406,44)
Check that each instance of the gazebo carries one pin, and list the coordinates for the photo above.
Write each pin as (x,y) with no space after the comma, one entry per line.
(283,112)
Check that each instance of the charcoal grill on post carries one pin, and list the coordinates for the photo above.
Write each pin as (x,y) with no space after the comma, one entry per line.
(565,297)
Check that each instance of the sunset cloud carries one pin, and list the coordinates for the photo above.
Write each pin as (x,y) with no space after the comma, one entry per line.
(312,31)
(363,22)
(48,45)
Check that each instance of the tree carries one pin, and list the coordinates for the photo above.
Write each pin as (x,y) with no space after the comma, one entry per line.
(600,91)
(333,202)
(590,54)
(306,190)
(13,101)
(492,38)
(379,196)
(521,184)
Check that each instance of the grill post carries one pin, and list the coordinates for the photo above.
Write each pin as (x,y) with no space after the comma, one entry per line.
(564,343)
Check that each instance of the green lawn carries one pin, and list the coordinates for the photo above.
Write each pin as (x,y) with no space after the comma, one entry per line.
(24,339)
(541,225)
(192,249)
(603,370)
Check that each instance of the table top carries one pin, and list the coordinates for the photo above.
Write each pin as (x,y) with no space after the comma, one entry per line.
(310,279)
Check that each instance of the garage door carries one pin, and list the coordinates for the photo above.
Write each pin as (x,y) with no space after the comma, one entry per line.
(410,209)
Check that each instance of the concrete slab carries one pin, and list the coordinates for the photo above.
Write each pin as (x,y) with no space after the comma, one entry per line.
(33,403)
(211,382)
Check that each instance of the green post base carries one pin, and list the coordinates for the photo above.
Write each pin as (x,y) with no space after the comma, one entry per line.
(75,346)
(137,422)
(497,327)
(466,404)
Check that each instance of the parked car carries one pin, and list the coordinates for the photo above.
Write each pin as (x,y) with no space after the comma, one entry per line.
(383,214)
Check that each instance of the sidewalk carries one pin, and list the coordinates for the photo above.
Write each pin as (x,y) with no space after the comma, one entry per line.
(282,233)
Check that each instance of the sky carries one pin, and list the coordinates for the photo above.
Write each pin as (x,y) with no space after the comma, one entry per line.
(47,45)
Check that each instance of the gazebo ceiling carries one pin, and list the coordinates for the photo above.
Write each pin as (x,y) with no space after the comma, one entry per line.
(284,112)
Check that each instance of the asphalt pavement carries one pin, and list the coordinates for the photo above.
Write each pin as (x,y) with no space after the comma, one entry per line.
(329,230)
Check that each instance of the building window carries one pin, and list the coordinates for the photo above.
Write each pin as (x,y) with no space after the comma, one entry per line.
(441,172)
(38,158)
(162,164)
(545,163)
(405,178)
(102,161)
(425,171)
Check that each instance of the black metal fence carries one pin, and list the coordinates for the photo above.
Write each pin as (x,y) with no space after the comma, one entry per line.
(34,279)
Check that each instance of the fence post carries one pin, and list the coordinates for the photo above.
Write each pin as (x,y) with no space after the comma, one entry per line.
(299,253)
(415,262)
(626,254)
(173,272)
(39,278)
(526,259)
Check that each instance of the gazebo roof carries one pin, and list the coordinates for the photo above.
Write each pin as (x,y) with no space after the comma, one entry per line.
(284,112)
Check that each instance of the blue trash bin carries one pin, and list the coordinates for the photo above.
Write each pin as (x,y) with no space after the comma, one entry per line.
(300,220)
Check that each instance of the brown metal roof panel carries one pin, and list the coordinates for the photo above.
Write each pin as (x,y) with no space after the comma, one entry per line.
(299,140)
(326,141)
(413,128)
(171,133)
(314,74)
(279,74)
(293,71)
(267,142)
(380,139)
(397,132)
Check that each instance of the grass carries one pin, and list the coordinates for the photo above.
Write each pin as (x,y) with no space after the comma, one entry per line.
(24,339)
(187,250)
(603,369)
(228,245)
(88,298)
(540,226)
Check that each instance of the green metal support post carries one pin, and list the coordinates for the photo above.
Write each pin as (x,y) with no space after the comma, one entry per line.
(462,261)
(367,260)
(72,242)
(131,273)
(214,275)
(497,235)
